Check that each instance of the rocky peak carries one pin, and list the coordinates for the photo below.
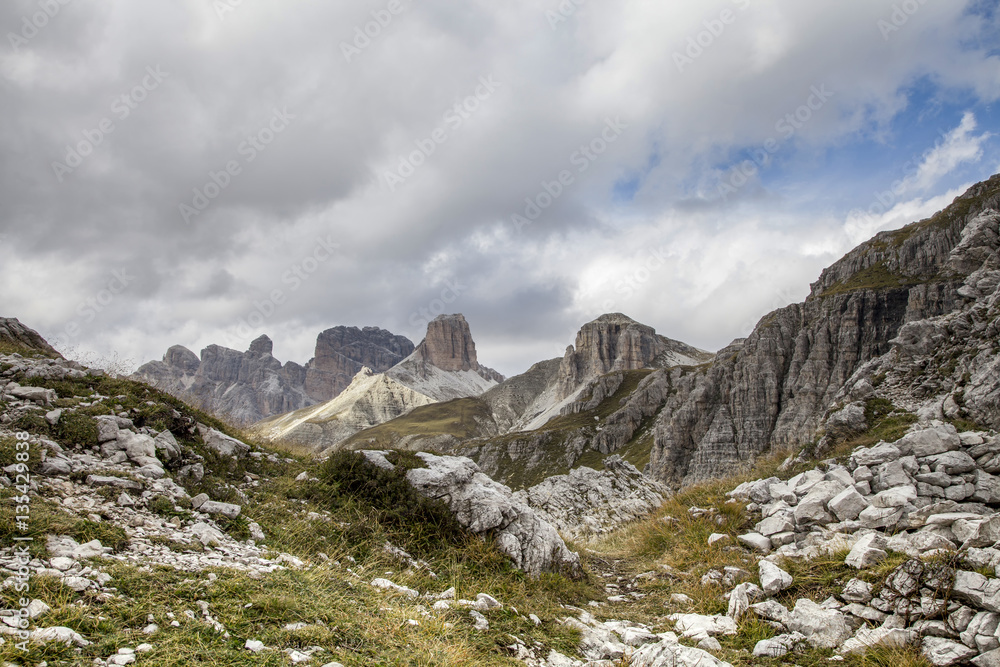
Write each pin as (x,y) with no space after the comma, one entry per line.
(612,342)
(341,352)
(262,345)
(449,345)
(12,332)
(182,359)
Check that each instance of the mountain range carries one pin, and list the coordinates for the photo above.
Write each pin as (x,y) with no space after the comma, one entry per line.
(904,324)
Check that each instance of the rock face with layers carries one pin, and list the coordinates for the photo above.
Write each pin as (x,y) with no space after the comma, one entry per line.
(914,291)
(245,387)
(489,508)
(13,332)
(342,352)
(242,387)
(444,365)
(586,502)
(614,342)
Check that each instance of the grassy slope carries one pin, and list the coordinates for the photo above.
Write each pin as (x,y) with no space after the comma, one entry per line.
(352,622)
(459,418)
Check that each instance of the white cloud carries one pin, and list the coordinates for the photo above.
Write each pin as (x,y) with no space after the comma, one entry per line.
(959,146)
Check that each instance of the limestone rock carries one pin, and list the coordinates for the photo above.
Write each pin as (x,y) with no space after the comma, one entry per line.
(487,507)
(823,628)
(772,578)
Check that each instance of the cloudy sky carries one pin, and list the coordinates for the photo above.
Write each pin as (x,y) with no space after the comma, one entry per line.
(202,171)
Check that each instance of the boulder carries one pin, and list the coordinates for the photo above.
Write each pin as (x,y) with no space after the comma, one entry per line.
(167,446)
(847,504)
(867,551)
(943,652)
(772,578)
(697,626)
(779,646)
(929,441)
(484,506)
(822,628)
(870,637)
(222,443)
(669,651)
(60,635)
(137,445)
(107,428)
(227,510)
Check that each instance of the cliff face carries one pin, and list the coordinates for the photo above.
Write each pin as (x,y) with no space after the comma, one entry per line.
(445,365)
(17,336)
(615,342)
(775,389)
(342,352)
(245,387)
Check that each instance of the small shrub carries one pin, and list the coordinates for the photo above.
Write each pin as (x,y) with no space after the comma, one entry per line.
(75,429)
(399,507)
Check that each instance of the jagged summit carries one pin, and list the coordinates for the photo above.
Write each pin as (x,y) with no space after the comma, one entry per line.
(616,342)
(16,335)
(262,345)
(449,345)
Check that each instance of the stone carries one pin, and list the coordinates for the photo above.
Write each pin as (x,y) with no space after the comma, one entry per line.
(772,578)
(867,552)
(849,419)
(53,417)
(107,428)
(928,442)
(779,646)
(899,496)
(38,395)
(486,507)
(120,482)
(943,652)
(812,508)
(847,504)
(756,541)
(92,549)
(740,599)
(479,621)
(877,455)
(867,638)
(987,488)
(62,563)
(857,590)
(977,590)
(206,534)
(772,525)
(587,502)
(697,626)
(199,500)
(988,659)
(136,445)
(227,510)
(668,651)
(385,584)
(60,635)
(717,538)
(981,534)
(167,446)
(880,517)
(952,463)
(771,610)
(822,628)
(222,443)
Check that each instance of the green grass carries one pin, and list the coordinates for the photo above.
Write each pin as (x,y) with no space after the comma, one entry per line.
(876,277)
(460,419)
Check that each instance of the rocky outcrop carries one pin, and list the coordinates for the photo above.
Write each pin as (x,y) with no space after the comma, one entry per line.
(615,342)
(931,495)
(342,352)
(246,387)
(586,503)
(16,335)
(242,387)
(485,507)
(445,365)
(776,388)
